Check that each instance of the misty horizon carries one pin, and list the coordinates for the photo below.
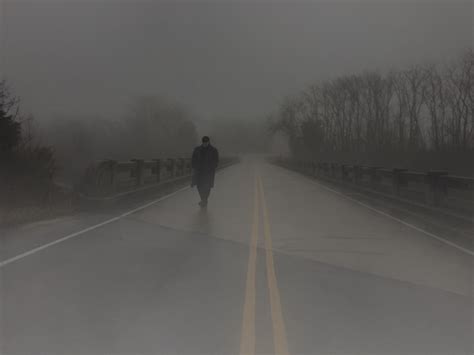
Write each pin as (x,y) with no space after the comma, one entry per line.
(218,60)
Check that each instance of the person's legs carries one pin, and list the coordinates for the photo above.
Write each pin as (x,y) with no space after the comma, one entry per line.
(204,191)
(201,192)
(207,192)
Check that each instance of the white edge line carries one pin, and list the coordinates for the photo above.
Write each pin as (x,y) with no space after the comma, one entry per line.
(88,229)
(454,245)
(144,188)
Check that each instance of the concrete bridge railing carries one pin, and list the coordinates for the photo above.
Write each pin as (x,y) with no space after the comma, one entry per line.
(109,177)
(437,189)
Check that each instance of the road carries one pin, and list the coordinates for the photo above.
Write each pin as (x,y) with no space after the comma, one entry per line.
(277,264)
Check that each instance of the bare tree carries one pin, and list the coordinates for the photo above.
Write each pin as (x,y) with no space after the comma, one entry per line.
(10,128)
(399,114)
(459,81)
(436,103)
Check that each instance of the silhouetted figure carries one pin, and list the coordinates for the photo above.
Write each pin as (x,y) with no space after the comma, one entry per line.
(204,163)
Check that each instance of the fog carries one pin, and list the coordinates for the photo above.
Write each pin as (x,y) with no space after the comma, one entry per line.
(219,59)
(330,212)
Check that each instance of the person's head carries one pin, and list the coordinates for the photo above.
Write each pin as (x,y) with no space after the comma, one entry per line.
(205,141)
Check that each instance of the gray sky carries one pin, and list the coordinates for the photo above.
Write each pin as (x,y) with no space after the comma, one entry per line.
(219,58)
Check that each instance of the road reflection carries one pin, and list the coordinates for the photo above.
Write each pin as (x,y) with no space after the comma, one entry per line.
(202,221)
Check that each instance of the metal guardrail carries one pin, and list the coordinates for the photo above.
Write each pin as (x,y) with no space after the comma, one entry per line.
(432,188)
(108,177)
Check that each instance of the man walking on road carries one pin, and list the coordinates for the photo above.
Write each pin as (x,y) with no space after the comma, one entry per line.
(204,163)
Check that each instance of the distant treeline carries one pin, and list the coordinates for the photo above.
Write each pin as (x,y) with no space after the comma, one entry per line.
(41,161)
(150,128)
(58,150)
(38,168)
(421,118)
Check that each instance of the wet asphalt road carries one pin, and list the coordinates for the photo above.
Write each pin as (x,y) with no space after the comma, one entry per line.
(276,264)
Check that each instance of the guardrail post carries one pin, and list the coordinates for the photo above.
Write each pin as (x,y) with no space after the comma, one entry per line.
(344,172)
(373,176)
(188,166)
(177,167)
(436,188)
(351,174)
(170,164)
(182,166)
(113,174)
(357,174)
(106,176)
(158,169)
(397,180)
(325,168)
(139,163)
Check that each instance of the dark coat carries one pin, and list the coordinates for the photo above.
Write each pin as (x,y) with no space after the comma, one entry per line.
(204,163)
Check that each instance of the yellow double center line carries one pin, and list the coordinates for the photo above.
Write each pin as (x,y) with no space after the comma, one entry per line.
(247,342)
